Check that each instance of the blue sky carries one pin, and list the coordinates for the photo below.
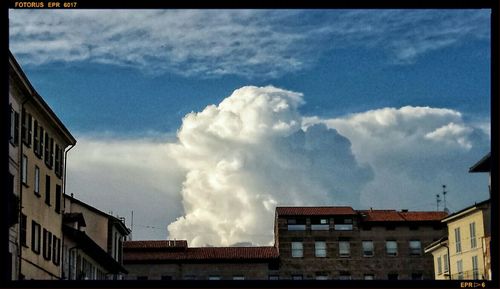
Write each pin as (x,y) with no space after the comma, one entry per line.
(128,78)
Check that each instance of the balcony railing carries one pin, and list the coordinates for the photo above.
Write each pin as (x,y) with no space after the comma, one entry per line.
(467,275)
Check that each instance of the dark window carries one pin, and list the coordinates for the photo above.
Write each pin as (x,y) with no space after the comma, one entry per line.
(390,227)
(413,227)
(56,247)
(35,237)
(392,276)
(24,127)
(416,276)
(41,143)
(166,277)
(30,129)
(47,244)
(58,199)
(57,164)
(273,266)
(22,235)
(47,149)
(47,190)
(142,277)
(51,159)
(14,126)
(367,228)
(36,140)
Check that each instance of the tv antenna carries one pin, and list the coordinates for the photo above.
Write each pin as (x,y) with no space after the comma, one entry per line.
(444,199)
(438,200)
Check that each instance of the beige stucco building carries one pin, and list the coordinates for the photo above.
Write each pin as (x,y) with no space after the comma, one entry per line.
(37,151)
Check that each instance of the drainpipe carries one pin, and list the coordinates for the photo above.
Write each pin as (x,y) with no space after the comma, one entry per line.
(64,199)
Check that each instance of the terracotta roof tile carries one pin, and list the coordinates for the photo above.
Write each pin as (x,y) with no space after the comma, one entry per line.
(314,211)
(395,216)
(204,253)
(156,244)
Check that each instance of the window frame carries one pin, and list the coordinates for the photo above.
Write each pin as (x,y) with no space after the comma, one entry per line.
(364,249)
(294,249)
(413,250)
(36,237)
(473,239)
(387,248)
(321,251)
(458,241)
(344,248)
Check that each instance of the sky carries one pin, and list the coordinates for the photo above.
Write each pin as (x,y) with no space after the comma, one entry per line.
(201,122)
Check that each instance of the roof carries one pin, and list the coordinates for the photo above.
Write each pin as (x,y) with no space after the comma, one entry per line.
(156,244)
(466,210)
(314,211)
(483,165)
(39,100)
(74,217)
(443,241)
(120,225)
(198,253)
(87,245)
(396,216)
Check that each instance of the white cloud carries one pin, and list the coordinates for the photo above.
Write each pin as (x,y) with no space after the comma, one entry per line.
(231,164)
(249,43)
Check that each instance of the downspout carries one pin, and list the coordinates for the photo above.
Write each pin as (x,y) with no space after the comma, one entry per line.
(20,249)
(64,199)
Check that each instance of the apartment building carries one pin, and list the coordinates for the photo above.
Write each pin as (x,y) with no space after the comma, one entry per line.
(37,151)
(340,243)
(174,260)
(311,243)
(463,254)
(93,242)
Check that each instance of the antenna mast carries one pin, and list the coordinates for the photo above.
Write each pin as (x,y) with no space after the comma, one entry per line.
(444,198)
(438,200)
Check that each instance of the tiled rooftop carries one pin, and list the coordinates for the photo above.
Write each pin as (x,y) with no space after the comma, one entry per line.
(314,211)
(203,253)
(395,216)
(156,244)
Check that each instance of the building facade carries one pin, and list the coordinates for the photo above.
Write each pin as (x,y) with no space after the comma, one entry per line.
(38,145)
(311,243)
(343,244)
(174,260)
(93,242)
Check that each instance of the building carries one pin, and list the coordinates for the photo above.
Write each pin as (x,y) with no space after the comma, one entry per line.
(464,253)
(341,243)
(310,243)
(39,142)
(174,260)
(93,242)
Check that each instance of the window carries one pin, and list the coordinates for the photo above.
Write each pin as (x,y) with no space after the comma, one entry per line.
(56,242)
(51,158)
(460,270)
(57,164)
(368,248)
(36,140)
(320,224)
(47,149)
(445,263)
(321,276)
(26,128)
(369,277)
(296,277)
(58,199)
(47,244)
(475,268)
(320,249)
(239,277)
(274,277)
(214,277)
(25,170)
(391,248)
(47,190)
(416,276)
(439,266)
(458,246)
(296,224)
(14,126)
(37,181)
(297,250)
(41,143)
(415,248)
(472,228)
(345,276)
(22,234)
(392,276)
(35,237)
(344,249)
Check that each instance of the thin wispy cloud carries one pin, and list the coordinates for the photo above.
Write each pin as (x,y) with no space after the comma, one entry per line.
(248,43)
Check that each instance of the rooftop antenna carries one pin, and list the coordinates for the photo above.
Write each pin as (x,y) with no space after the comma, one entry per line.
(444,199)
(131,225)
(438,200)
